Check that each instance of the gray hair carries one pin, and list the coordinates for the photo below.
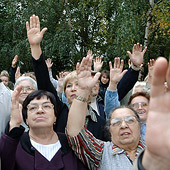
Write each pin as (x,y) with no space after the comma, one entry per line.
(22,78)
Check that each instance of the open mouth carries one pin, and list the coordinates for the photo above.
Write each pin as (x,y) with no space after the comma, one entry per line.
(141,112)
(125,134)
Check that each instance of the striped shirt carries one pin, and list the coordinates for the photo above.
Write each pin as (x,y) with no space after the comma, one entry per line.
(97,154)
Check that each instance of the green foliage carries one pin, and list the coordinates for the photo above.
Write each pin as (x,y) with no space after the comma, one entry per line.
(107,27)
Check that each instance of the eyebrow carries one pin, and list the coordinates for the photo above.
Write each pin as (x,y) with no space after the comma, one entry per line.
(41,103)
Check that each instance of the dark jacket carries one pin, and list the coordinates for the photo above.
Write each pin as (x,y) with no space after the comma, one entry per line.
(17,153)
(44,83)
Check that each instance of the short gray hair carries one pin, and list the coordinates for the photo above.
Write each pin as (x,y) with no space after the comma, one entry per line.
(22,78)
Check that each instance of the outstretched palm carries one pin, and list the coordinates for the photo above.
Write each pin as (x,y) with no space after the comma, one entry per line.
(137,54)
(85,80)
(116,73)
(33,31)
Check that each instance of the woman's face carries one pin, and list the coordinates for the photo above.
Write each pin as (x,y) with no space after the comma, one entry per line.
(4,80)
(27,88)
(40,113)
(124,128)
(104,79)
(71,89)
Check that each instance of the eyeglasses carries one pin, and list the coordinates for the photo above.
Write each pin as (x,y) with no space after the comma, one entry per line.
(27,89)
(130,120)
(35,107)
(141,104)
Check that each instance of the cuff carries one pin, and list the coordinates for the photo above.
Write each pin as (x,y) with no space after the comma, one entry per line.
(15,133)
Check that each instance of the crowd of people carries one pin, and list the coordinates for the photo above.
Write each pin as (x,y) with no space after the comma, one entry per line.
(84,119)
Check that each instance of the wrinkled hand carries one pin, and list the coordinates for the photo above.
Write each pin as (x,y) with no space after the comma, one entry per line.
(16,116)
(14,61)
(137,54)
(49,63)
(85,80)
(33,31)
(157,132)
(98,63)
(116,73)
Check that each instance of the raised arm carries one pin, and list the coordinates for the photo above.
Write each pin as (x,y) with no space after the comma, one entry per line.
(78,110)
(49,64)
(157,132)
(131,76)
(111,95)
(14,68)
(98,63)
(35,36)
(40,68)
(10,140)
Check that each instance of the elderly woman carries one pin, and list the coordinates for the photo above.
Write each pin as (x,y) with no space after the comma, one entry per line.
(124,127)
(41,147)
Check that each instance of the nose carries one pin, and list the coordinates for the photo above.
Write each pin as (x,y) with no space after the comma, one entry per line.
(40,109)
(124,124)
(140,106)
(73,88)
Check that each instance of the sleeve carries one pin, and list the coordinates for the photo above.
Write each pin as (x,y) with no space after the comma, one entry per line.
(43,80)
(8,148)
(53,81)
(87,148)
(13,71)
(111,101)
(127,82)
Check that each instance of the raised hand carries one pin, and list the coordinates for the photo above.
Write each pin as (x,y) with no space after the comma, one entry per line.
(150,69)
(137,54)
(49,63)
(16,115)
(116,73)
(60,79)
(85,80)
(33,30)
(157,153)
(14,61)
(17,74)
(98,63)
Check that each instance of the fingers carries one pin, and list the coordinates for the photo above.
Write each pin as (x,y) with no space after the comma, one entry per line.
(89,52)
(123,73)
(96,77)
(121,64)
(37,22)
(15,94)
(151,62)
(31,22)
(110,65)
(117,62)
(145,49)
(129,54)
(159,77)
(43,31)
(27,26)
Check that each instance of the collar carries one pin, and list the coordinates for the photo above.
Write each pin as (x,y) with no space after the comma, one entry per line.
(116,150)
(26,143)
(91,114)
